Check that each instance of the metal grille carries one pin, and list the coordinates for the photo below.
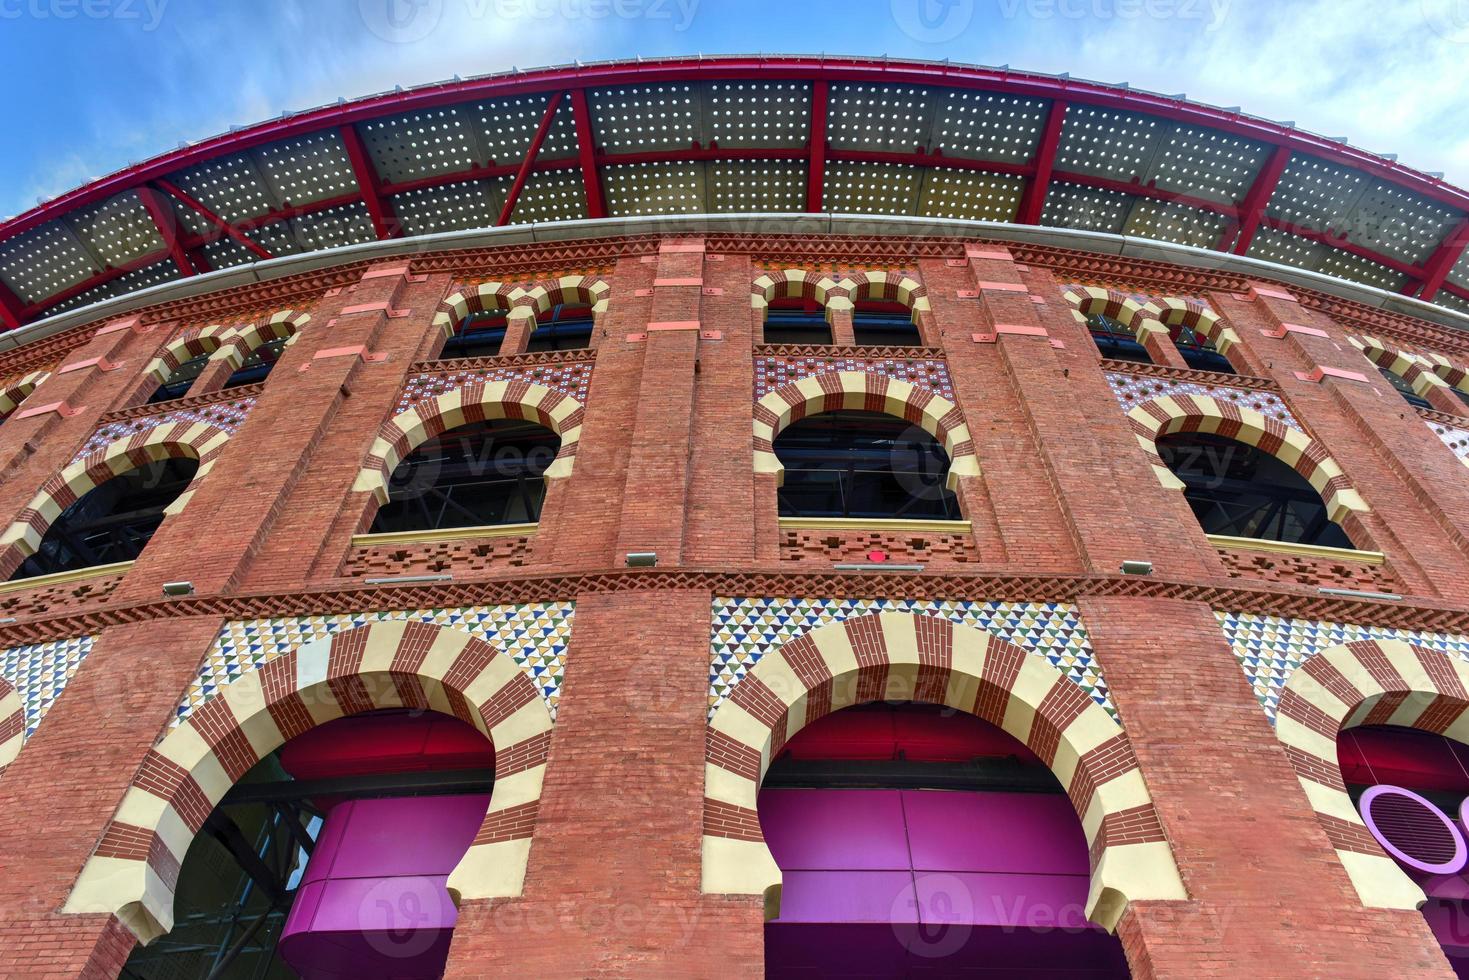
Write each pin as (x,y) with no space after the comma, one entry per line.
(475,204)
(554,196)
(759,114)
(1206,163)
(44,261)
(757,185)
(1168,222)
(1105,143)
(881,118)
(970,195)
(872,188)
(419,144)
(1399,224)
(989,127)
(654,188)
(1089,208)
(645,117)
(1315,194)
(116,230)
(308,168)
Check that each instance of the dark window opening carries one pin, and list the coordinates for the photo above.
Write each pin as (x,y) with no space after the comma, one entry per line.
(177,384)
(258,365)
(1403,388)
(876,323)
(1240,491)
(863,464)
(793,320)
(1463,396)
(567,326)
(478,335)
(1199,351)
(480,474)
(1116,341)
(112,522)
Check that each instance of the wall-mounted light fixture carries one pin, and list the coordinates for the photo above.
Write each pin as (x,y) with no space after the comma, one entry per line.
(1137,568)
(642,559)
(178,588)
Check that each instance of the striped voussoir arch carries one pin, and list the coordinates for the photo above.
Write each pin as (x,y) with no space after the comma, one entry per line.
(869,392)
(890,287)
(1417,371)
(478,401)
(171,440)
(186,346)
(1453,372)
(12,724)
(16,390)
(1089,301)
(1198,413)
(800,284)
(485,297)
(588,290)
(239,343)
(134,870)
(1371,682)
(1171,311)
(908,657)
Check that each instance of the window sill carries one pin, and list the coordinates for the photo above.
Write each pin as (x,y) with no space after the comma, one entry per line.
(1228,543)
(62,578)
(444,534)
(873,524)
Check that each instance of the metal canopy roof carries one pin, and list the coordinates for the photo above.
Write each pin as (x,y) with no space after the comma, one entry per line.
(744,134)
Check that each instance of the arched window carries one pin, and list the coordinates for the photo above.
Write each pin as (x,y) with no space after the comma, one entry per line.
(794,320)
(1238,490)
(1198,351)
(566,326)
(476,475)
(258,365)
(112,522)
(1409,787)
(1114,340)
(863,464)
(883,323)
(478,335)
(177,384)
(1403,388)
(332,853)
(914,840)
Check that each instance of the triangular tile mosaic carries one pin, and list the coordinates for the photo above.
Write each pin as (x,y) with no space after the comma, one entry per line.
(534,635)
(745,629)
(1133,390)
(40,672)
(1270,648)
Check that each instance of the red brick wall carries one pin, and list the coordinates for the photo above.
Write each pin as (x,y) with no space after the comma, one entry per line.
(666,464)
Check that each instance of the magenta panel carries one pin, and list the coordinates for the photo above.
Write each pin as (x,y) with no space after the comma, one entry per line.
(1031,833)
(829,830)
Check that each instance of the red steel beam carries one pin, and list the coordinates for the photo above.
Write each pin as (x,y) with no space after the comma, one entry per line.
(219,224)
(1252,208)
(1345,244)
(1033,201)
(586,154)
(167,224)
(384,222)
(12,310)
(530,158)
(1140,189)
(1442,261)
(816,152)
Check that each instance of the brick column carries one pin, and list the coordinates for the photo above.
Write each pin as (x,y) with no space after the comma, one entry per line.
(1268,896)
(67,781)
(613,885)
(1392,458)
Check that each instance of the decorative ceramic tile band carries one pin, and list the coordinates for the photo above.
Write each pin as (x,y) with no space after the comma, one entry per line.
(573,378)
(772,373)
(1133,390)
(225,416)
(1455,438)
(40,672)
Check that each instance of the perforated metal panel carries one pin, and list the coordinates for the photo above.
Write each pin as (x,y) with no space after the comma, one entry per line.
(645,117)
(44,261)
(226,252)
(308,168)
(758,114)
(653,188)
(150,275)
(554,196)
(116,230)
(419,144)
(348,224)
(280,238)
(1452,302)
(980,125)
(882,118)
(1344,265)
(1089,208)
(1285,248)
(1399,224)
(1460,272)
(1105,143)
(969,195)
(1168,222)
(872,188)
(757,185)
(1315,194)
(475,204)
(231,187)
(503,128)
(1206,163)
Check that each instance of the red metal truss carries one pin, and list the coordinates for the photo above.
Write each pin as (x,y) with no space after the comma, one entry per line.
(219,224)
(12,310)
(816,151)
(1033,201)
(167,224)
(530,158)
(1438,266)
(586,153)
(384,223)
(1242,233)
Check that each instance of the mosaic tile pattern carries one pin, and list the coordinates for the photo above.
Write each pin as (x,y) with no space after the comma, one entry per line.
(1269,648)
(1133,390)
(777,372)
(39,673)
(222,415)
(745,629)
(572,379)
(1455,438)
(534,635)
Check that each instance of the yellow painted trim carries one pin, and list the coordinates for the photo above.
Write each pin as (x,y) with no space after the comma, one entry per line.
(444,534)
(872,524)
(61,578)
(1229,543)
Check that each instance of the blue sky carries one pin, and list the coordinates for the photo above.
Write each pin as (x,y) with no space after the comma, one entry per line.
(96,84)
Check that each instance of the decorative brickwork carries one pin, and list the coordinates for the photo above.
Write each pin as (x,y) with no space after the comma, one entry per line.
(570,374)
(903,547)
(1309,570)
(1134,388)
(61,597)
(220,413)
(466,557)
(925,368)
